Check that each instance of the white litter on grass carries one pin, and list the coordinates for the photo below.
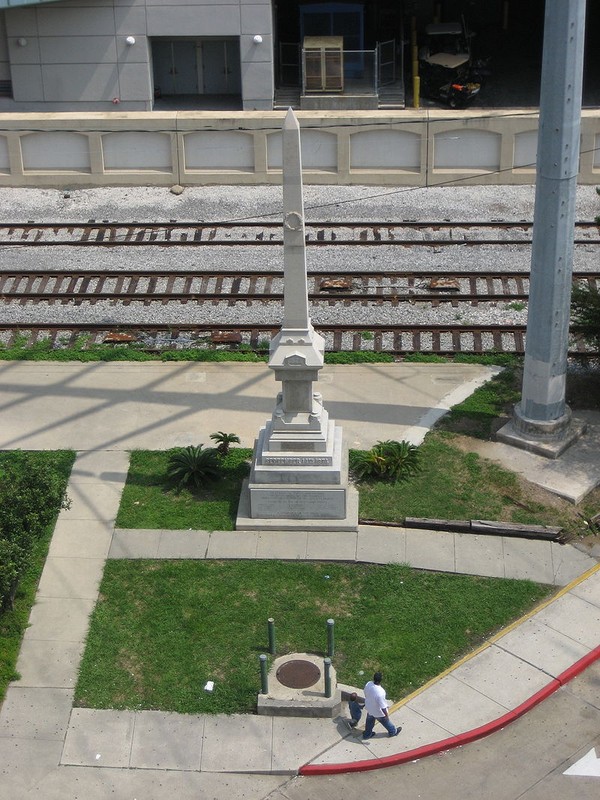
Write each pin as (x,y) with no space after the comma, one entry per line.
(209,686)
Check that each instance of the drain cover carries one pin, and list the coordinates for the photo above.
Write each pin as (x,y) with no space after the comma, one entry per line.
(298,674)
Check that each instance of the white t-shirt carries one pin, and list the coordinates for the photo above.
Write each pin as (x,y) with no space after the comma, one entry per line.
(375,701)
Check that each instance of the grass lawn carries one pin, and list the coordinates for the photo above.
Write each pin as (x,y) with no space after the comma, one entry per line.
(455,484)
(13,622)
(162,629)
(150,500)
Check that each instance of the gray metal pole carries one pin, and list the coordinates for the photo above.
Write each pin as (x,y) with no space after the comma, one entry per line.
(330,638)
(271,631)
(327,663)
(542,411)
(264,680)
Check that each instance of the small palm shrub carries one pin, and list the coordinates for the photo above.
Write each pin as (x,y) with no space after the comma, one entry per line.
(224,441)
(192,466)
(390,461)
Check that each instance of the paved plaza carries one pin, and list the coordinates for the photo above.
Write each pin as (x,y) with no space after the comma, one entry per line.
(49,749)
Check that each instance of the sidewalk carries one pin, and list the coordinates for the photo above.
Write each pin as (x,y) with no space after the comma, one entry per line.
(48,749)
(43,738)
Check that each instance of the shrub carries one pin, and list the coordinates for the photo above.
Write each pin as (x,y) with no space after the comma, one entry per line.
(32,490)
(585,310)
(224,441)
(193,466)
(390,460)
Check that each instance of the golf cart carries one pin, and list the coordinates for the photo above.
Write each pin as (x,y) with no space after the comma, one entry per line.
(445,65)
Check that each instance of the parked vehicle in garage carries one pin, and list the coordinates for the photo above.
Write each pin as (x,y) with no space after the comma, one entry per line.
(446,68)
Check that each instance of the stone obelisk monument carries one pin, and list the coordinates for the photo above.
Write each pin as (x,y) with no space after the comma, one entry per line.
(299,476)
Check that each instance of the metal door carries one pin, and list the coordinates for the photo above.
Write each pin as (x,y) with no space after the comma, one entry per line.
(175,67)
(221,66)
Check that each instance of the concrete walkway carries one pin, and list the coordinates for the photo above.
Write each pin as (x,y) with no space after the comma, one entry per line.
(48,749)
(42,738)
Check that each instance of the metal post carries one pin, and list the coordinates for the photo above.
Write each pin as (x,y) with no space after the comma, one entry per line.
(327,662)
(264,681)
(271,626)
(330,638)
(542,413)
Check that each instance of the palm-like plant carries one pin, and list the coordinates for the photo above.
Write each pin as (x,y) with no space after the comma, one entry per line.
(193,466)
(224,441)
(389,460)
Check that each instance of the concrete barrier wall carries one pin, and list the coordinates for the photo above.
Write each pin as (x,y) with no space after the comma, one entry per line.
(411,148)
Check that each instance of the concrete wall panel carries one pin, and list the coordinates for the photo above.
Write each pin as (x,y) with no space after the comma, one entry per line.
(469,149)
(130,20)
(77,49)
(210,150)
(21,22)
(319,150)
(27,54)
(379,149)
(256,18)
(98,82)
(4,158)
(75,21)
(55,150)
(525,154)
(257,84)
(134,81)
(27,82)
(137,151)
(177,20)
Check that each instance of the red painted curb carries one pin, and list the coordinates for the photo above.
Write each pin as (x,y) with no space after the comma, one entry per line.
(463,738)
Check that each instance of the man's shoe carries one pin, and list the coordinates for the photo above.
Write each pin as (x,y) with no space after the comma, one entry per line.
(368,735)
(398,729)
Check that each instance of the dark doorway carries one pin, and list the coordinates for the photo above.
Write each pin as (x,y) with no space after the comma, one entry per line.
(198,72)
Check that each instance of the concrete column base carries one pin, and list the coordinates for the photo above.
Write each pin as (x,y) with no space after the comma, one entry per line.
(549,439)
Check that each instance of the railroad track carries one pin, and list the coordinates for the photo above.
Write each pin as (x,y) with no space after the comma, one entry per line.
(434,286)
(408,233)
(399,340)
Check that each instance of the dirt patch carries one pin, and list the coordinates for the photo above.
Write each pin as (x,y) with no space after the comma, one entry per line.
(530,495)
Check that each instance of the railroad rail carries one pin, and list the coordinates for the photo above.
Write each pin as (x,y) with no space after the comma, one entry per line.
(407,233)
(435,286)
(398,340)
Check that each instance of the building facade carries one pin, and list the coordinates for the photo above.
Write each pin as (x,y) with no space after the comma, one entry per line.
(125,55)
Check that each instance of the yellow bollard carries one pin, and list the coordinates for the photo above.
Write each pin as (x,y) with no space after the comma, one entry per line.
(416,92)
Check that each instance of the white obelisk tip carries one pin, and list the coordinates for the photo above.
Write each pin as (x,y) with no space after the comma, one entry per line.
(291,120)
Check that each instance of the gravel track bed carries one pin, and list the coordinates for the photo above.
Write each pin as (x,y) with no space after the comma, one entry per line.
(322,204)
(334,259)
(221,203)
(269,313)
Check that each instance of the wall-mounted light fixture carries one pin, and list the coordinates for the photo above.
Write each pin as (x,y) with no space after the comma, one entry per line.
(130,40)
(258,39)
(22,42)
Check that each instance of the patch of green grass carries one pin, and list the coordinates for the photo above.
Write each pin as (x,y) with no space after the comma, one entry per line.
(162,629)
(454,484)
(151,501)
(358,357)
(13,622)
(476,415)
(81,350)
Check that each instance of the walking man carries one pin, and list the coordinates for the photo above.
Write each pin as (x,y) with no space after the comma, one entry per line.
(376,706)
